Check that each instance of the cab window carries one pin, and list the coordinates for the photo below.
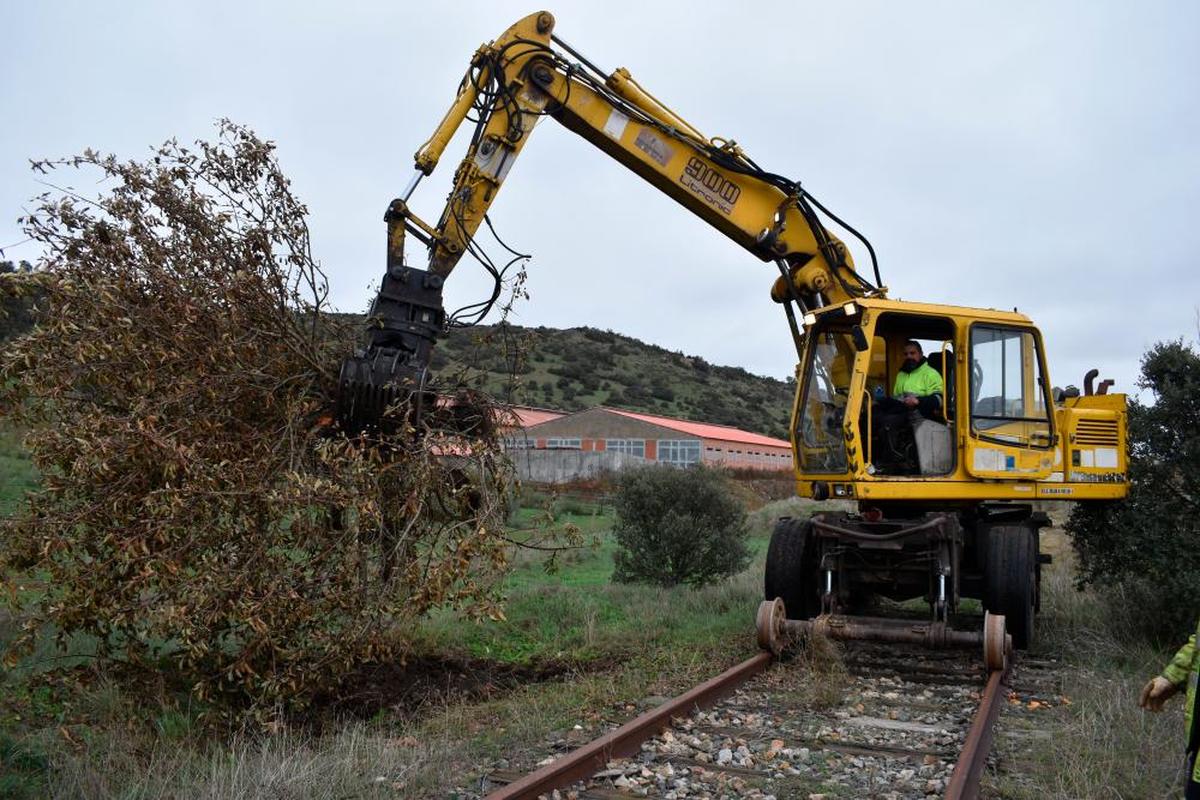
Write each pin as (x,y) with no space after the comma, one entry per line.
(821,445)
(1008,402)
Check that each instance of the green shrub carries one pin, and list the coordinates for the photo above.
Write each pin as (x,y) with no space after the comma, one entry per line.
(1147,548)
(677,526)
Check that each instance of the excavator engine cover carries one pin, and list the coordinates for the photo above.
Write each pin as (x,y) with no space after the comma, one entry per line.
(404,322)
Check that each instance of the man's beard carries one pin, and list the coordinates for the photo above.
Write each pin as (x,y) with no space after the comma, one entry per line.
(911,363)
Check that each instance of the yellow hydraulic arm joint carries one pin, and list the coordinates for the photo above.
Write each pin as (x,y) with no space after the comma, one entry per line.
(534,29)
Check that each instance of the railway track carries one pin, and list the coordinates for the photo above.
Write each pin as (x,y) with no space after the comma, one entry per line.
(903,722)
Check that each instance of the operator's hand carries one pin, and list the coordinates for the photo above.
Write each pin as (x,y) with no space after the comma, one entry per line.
(911,401)
(1155,693)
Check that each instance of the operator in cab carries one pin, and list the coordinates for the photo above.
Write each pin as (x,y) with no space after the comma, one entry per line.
(918,386)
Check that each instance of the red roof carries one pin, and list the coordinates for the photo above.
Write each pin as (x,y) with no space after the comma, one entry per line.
(528,415)
(704,430)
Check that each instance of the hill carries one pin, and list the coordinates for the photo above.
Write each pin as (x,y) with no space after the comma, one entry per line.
(581,367)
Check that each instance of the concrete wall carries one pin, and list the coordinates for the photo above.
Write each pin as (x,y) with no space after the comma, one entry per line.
(560,466)
(751,456)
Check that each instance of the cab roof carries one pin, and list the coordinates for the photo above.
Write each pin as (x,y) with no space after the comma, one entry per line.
(937,309)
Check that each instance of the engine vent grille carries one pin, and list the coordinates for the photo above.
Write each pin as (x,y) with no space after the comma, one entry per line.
(1102,432)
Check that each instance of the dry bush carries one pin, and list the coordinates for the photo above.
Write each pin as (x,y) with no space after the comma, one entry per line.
(198,513)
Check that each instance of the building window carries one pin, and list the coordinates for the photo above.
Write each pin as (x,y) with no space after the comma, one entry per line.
(518,443)
(680,452)
(633,447)
(564,444)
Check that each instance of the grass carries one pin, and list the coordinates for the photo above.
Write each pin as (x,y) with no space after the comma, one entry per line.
(439,755)
(115,746)
(574,615)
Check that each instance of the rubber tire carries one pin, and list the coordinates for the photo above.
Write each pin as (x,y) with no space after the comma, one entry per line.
(791,572)
(1011,579)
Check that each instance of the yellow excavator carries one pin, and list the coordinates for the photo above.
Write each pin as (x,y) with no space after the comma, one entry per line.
(939,496)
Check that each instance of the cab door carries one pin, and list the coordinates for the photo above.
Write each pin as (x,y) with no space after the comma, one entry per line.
(1010,421)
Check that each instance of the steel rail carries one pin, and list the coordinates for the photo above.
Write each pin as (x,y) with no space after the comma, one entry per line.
(627,739)
(964,780)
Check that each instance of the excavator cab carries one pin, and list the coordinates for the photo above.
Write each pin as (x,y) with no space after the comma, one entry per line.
(984,411)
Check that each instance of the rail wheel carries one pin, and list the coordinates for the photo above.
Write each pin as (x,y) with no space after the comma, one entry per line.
(771,634)
(792,569)
(1011,579)
(996,641)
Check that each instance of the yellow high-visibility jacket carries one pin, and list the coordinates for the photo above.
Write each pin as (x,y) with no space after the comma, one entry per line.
(922,381)
(1185,666)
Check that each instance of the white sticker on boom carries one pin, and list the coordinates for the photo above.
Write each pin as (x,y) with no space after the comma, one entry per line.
(615,126)
(1106,457)
(494,160)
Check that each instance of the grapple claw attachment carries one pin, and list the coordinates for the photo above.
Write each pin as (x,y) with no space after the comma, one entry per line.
(393,369)
(370,384)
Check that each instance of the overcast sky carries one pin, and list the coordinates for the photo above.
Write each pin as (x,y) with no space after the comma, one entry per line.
(1044,156)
